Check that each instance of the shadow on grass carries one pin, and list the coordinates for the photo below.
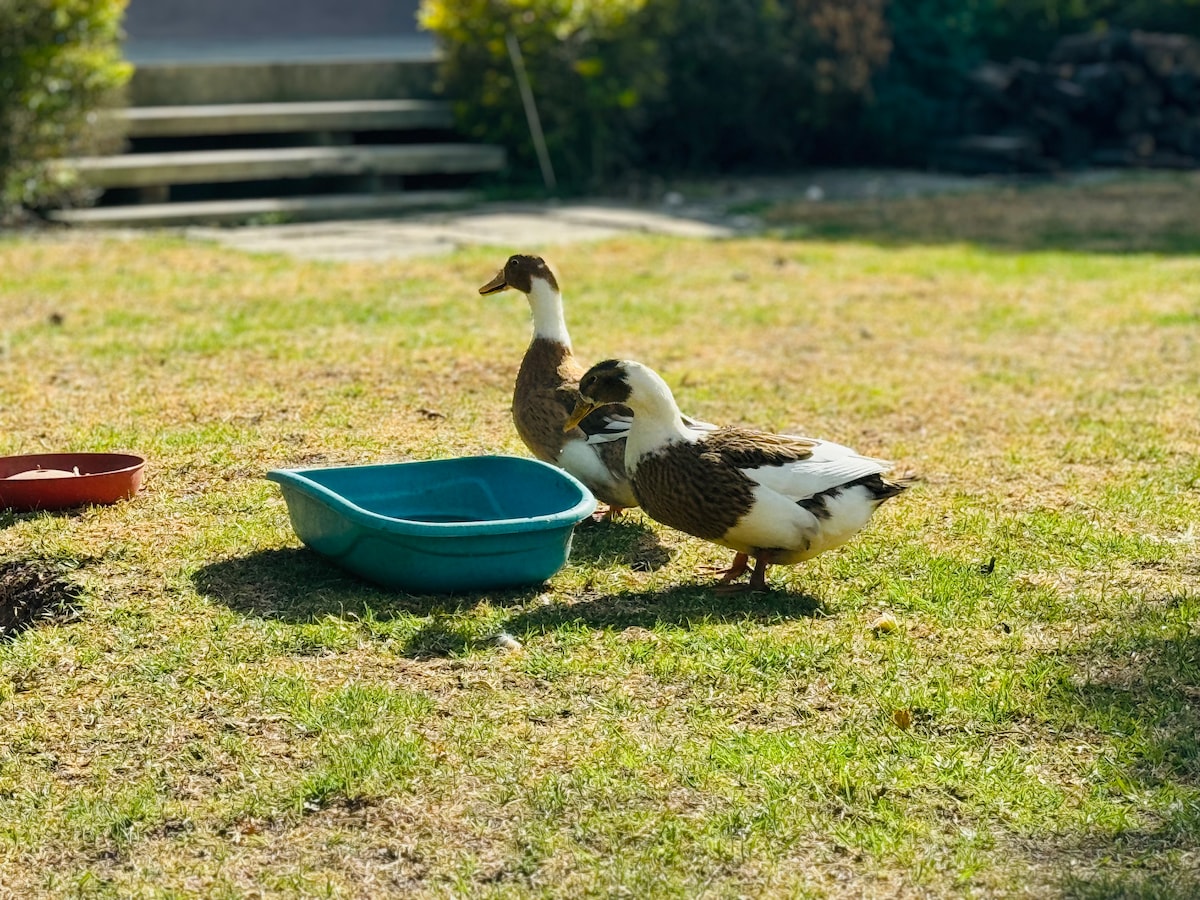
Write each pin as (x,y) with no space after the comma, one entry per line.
(1144,692)
(10,517)
(632,544)
(1169,883)
(1142,215)
(1141,692)
(682,605)
(297,586)
(35,592)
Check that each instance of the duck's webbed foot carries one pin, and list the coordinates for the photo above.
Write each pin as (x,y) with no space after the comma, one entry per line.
(608,514)
(758,578)
(737,568)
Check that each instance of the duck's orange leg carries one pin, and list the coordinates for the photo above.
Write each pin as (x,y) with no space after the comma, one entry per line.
(758,578)
(736,569)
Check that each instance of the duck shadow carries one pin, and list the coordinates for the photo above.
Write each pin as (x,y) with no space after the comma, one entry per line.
(297,586)
(632,544)
(683,606)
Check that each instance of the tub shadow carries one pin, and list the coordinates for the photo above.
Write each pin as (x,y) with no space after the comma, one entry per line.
(10,517)
(295,585)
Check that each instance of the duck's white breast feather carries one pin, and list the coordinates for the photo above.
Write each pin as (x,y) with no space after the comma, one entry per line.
(583,461)
(778,523)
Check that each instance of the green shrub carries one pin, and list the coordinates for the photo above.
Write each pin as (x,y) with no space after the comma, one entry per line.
(60,67)
(591,67)
(659,85)
(718,85)
(758,83)
(917,96)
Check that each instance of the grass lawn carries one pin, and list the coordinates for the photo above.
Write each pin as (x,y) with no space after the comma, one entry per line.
(216,712)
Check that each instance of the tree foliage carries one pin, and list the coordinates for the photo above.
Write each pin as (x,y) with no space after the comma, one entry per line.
(60,68)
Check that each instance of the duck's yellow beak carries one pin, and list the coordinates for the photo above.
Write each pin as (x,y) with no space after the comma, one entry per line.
(495,285)
(578,414)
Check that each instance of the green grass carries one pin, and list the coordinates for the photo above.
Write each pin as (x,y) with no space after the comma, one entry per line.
(227,716)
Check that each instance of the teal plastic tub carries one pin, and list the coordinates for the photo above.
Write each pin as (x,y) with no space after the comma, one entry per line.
(459,524)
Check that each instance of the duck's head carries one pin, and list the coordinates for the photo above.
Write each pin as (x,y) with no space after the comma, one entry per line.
(622,381)
(519,273)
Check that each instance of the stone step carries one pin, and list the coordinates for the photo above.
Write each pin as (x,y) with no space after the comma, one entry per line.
(263,118)
(208,166)
(233,212)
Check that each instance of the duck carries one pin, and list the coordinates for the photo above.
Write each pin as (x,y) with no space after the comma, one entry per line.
(774,498)
(592,449)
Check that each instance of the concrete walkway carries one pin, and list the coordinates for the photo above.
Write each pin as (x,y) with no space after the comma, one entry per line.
(434,234)
(709,210)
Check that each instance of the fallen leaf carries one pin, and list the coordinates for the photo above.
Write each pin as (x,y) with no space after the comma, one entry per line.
(885,624)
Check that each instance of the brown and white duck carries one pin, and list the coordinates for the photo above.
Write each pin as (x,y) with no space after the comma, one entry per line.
(778,498)
(547,390)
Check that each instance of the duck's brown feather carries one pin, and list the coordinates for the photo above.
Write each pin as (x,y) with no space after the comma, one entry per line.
(546,392)
(698,487)
(744,448)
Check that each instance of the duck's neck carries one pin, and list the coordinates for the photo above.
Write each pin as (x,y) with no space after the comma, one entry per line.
(657,423)
(548,321)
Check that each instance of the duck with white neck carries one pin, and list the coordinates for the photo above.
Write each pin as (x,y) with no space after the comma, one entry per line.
(547,390)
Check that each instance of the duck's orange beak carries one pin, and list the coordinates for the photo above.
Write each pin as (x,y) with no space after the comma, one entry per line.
(578,414)
(496,285)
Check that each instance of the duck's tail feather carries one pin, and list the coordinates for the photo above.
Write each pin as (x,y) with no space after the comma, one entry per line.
(884,488)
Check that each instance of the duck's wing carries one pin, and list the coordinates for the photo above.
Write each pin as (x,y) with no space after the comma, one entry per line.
(796,467)
(602,427)
(615,420)
(697,425)
(603,424)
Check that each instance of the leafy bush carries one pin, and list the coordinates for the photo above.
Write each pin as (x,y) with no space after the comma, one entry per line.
(60,65)
(591,66)
(623,85)
(757,83)
(917,95)
(715,85)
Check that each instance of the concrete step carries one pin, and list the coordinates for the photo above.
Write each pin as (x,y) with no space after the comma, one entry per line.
(207,166)
(254,91)
(209,80)
(233,212)
(263,118)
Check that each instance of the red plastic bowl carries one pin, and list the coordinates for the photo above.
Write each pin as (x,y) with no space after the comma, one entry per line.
(102,478)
